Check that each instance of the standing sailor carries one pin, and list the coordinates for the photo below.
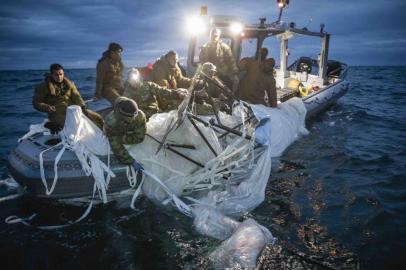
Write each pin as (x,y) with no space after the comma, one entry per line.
(126,124)
(257,81)
(55,94)
(217,52)
(109,74)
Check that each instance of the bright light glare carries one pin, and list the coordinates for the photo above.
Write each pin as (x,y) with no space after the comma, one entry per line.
(195,26)
(134,76)
(236,28)
(280,4)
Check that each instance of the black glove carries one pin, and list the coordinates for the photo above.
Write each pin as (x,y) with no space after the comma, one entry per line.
(53,127)
(84,110)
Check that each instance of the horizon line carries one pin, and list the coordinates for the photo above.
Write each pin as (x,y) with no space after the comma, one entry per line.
(77,68)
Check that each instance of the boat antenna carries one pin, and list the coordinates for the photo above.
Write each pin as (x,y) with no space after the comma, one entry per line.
(281,4)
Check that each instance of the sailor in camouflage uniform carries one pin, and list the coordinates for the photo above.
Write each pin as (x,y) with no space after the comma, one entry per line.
(167,72)
(146,94)
(126,124)
(218,95)
(55,94)
(109,74)
(217,52)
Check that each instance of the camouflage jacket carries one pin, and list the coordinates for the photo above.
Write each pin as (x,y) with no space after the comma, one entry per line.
(59,95)
(120,132)
(167,76)
(147,96)
(109,75)
(219,54)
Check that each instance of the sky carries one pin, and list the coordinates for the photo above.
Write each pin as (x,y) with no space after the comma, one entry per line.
(34,34)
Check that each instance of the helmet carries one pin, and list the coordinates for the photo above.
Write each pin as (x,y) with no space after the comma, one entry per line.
(125,108)
(208,69)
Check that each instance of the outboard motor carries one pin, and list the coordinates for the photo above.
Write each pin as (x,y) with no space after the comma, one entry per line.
(304,64)
(333,68)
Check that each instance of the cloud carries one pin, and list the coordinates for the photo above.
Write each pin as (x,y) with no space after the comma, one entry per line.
(76,32)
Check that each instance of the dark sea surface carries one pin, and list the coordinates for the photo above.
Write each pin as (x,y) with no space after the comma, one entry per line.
(336,198)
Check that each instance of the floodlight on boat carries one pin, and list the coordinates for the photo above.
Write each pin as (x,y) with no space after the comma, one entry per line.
(196,25)
(282,3)
(236,27)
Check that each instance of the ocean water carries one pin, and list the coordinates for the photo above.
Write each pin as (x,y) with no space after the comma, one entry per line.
(336,198)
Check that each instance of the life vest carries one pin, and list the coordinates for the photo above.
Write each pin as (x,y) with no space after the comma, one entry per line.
(304,91)
(295,84)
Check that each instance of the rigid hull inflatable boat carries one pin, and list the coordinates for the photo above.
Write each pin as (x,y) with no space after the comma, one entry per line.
(319,84)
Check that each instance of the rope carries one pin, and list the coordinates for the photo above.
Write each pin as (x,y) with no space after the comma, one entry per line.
(27,221)
(41,167)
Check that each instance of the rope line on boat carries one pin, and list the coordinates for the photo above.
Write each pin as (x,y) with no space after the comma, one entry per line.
(27,220)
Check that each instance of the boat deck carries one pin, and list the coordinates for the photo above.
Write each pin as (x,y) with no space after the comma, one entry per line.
(284,94)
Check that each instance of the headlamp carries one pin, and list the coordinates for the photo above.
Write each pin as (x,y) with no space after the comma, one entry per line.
(134,76)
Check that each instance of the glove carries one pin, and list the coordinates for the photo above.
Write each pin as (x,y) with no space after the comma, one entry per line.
(84,111)
(222,97)
(137,166)
(181,93)
(50,109)
(201,94)
(53,127)
(200,83)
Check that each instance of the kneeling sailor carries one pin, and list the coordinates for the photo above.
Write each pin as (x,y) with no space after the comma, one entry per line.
(126,124)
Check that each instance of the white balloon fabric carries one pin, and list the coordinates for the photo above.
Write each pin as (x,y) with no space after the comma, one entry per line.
(226,179)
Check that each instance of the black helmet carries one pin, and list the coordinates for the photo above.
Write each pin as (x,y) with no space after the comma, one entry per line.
(125,107)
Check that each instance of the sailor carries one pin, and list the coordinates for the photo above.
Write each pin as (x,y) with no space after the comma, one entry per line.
(264,54)
(126,124)
(257,81)
(214,86)
(212,92)
(146,94)
(167,73)
(55,94)
(109,74)
(217,52)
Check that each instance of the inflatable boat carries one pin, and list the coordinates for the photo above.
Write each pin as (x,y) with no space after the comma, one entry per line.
(319,84)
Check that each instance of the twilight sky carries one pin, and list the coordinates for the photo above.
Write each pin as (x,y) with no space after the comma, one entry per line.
(34,34)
